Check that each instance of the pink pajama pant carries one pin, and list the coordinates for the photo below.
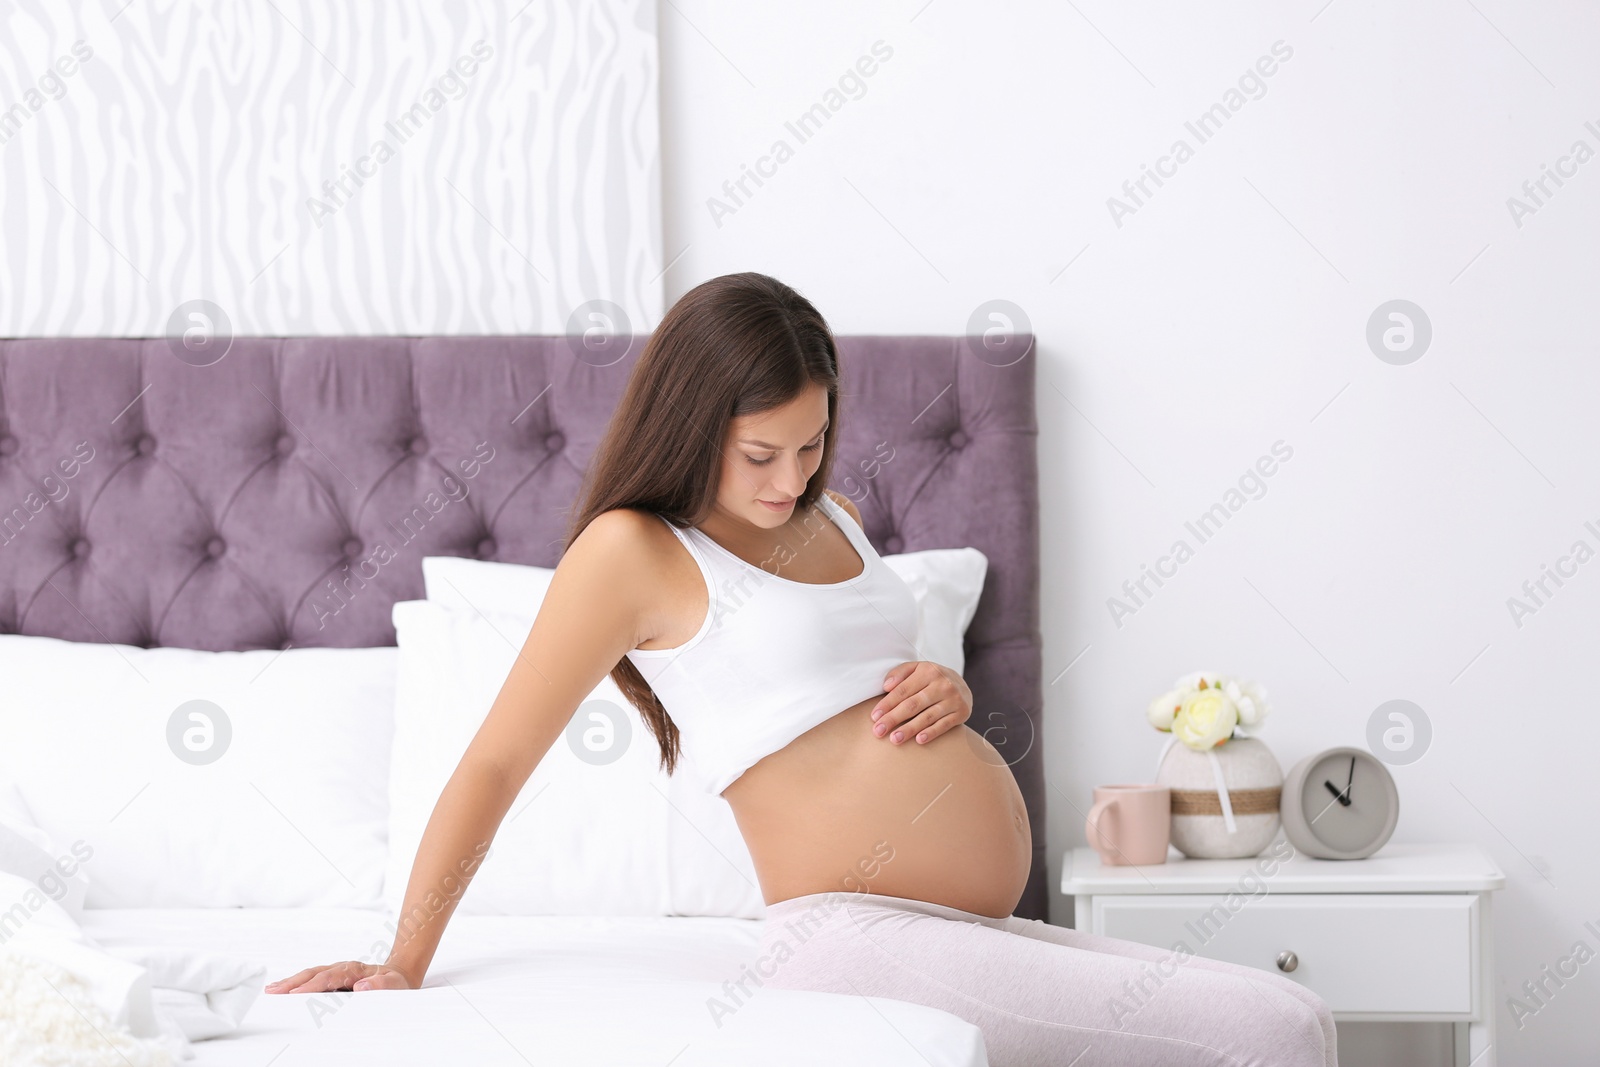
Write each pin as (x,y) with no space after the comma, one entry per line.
(1047,995)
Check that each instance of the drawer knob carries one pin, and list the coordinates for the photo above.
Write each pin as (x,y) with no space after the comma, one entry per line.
(1287,961)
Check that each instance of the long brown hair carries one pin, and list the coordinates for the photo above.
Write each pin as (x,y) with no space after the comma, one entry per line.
(741,344)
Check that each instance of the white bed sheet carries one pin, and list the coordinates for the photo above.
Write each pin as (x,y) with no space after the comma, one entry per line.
(563,990)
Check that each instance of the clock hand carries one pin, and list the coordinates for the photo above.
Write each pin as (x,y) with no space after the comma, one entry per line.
(1351,781)
(1324,811)
(1337,795)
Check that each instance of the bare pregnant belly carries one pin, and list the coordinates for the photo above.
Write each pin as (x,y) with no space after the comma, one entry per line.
(841,809)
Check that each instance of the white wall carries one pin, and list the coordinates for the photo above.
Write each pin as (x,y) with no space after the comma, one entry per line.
(1227,313)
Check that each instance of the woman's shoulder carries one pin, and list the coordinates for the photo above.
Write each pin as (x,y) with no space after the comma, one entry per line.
(635,539)
(636,549)
(627,545)
(846,503)
(626,529)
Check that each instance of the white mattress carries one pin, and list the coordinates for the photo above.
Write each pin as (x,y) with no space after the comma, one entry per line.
(540,990)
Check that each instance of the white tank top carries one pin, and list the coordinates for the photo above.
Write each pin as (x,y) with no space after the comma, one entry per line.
(775,657)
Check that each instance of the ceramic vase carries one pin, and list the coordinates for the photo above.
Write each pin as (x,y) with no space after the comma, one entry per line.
(1255,785)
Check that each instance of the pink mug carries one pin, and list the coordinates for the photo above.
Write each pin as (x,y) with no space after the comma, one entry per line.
(1130,825)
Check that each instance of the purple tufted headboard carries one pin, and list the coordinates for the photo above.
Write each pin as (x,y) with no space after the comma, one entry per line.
(286,494)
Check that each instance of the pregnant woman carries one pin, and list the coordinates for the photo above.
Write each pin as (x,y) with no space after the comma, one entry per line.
(740,607)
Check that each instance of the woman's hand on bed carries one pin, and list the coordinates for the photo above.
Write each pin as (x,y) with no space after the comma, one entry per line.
(351,974)
(924,699)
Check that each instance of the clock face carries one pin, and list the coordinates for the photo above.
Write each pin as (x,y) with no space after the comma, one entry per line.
(1347,804)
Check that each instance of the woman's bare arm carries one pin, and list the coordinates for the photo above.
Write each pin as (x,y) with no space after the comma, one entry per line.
(590,618)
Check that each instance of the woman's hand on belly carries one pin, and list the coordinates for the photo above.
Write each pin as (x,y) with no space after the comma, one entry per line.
(924,698)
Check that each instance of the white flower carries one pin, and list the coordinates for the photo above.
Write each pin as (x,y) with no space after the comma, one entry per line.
(1203,708)
(1249,698)
(1192,681)
(1163,708)
(1205,719)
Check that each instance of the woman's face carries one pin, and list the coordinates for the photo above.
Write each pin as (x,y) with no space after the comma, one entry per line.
(771,456)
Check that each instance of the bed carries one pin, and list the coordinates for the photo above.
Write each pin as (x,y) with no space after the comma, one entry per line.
(542,989)
(224,502)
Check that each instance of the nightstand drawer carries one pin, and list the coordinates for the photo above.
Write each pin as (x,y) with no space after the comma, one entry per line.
(1361,952)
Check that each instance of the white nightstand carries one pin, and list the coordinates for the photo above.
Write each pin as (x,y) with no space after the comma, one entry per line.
(1404,935)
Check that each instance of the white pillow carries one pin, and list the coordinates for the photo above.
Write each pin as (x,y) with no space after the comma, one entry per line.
(484,585)
(55,872)
(946,582)
(100,747)
(584,836)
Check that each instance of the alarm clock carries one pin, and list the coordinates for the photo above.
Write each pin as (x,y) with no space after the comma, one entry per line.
(1340,804)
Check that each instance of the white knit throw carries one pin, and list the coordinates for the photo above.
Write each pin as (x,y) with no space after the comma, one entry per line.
(47,1019)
